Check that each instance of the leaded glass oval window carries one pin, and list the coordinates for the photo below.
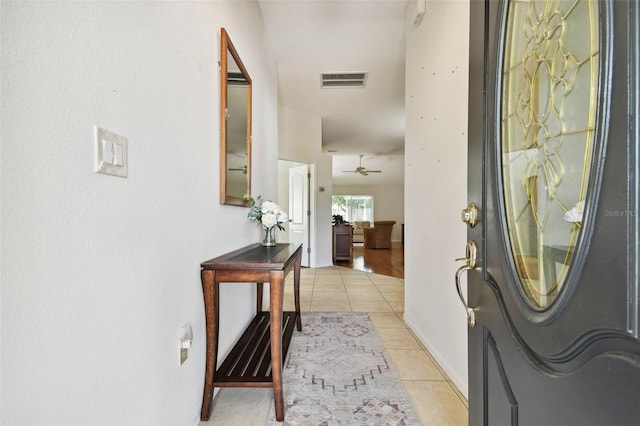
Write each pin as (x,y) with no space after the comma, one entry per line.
(549,102)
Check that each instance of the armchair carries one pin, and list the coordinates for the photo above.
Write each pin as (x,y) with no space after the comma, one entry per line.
(358,230)
(379,236)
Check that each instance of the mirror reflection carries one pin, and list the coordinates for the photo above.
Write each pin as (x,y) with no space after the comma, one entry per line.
(235,126)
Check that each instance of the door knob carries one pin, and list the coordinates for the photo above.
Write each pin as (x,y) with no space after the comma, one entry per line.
(470,263)
(470,215)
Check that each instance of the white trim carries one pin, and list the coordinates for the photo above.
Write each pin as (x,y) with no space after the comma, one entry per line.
(459,382)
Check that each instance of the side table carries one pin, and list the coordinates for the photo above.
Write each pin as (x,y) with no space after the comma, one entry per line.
(256,360)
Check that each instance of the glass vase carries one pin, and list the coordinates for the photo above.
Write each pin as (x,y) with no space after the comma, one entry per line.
(269,239)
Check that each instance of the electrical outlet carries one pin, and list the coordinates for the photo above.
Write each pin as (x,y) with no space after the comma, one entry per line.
(184,353)
(184,343)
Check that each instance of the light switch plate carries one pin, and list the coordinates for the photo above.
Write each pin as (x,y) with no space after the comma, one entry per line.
(111,153)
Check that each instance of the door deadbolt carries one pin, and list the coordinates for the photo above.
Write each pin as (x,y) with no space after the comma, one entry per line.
(470,215)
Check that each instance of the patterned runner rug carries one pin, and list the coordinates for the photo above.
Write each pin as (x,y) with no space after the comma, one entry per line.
(337,373)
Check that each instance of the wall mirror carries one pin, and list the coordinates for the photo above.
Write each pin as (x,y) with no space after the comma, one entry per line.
(235,126)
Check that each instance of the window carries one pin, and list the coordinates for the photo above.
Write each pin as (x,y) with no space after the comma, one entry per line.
(353,207)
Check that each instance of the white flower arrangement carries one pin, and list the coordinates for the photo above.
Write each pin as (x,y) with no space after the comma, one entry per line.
(267,213)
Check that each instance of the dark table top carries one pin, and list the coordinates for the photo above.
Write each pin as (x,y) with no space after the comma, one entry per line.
(256,256)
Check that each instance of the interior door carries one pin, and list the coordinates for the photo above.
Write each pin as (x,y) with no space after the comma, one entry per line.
(299,225)
(552,263)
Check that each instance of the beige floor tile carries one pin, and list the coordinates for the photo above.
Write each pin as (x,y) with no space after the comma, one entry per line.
(365,296)
(362,282)
(397,306)
(327,271)
(329,306)
(305,300)
(246,406)
(386,320)
(436,403)
(414,364)
(348,272)
(398,339)
(329,287)
(307,282)
(360,285)
(390,287)
(305,306)
(385,280)
(356,277)
(370,306)
(394,294)
(330,296)
(328,279)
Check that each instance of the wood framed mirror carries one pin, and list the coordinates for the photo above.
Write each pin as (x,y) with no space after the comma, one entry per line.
(235,126)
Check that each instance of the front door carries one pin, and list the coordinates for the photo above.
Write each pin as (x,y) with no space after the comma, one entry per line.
(553,291)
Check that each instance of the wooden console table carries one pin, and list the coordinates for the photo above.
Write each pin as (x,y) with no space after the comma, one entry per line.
(256,360)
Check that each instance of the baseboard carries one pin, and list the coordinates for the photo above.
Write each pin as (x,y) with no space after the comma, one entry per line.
(459,382)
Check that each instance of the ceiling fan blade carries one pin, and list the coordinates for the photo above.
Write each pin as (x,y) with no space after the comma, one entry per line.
(242,169)
(362,170)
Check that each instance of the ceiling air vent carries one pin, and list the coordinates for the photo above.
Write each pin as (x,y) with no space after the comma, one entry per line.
(343,79)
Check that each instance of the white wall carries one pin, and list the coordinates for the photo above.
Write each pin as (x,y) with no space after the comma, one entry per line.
(300,141)
(388,202)
(300,135)
(435,180)
(321,178)
(100,273)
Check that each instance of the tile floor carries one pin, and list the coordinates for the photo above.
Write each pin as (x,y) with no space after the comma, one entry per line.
(336,289)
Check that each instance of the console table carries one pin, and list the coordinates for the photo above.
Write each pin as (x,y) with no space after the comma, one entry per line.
(256,360)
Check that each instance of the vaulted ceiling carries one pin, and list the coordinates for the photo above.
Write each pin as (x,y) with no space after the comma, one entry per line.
(312,37)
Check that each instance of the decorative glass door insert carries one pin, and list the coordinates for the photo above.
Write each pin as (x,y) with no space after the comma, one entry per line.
(549,108)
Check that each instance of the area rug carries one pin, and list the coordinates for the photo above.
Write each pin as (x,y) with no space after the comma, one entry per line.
(337,373)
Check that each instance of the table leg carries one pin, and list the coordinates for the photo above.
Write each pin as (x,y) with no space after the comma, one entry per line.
(296,290)
(210,290)
(276,290)
(260,288)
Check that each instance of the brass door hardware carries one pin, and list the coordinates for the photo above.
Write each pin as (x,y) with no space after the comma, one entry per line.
(470,263)
(470,215)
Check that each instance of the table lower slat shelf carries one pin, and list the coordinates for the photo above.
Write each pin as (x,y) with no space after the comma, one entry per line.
(249,362)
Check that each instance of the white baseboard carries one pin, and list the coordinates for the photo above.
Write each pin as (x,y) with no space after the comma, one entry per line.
(459,382)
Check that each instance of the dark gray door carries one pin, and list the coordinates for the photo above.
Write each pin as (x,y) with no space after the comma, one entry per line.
(553,170)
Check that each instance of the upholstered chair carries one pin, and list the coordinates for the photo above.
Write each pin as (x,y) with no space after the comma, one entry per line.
(358,230)
(379,236)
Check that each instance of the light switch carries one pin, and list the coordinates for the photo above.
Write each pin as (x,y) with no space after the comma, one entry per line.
(117,154)
(111,153)
(107,151)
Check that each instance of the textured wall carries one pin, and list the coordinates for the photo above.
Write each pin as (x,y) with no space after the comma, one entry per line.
(100,273)
(436,180)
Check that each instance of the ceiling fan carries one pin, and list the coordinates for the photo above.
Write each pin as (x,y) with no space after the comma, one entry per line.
(362,170)
(242,169)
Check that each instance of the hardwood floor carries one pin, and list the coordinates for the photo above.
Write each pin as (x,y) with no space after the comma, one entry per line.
(380,261)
